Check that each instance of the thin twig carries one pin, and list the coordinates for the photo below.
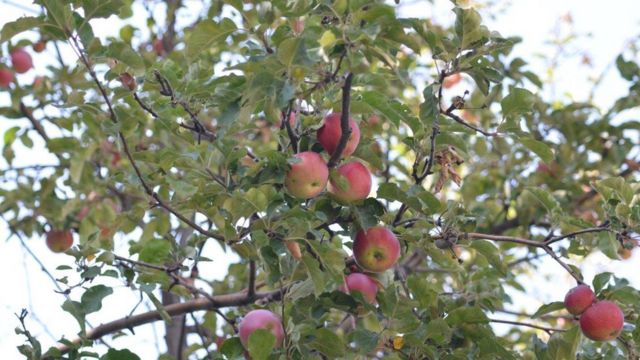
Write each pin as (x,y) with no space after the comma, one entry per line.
(344,122)
(251,289)
(547,329)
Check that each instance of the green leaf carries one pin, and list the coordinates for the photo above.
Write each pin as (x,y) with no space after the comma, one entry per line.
(365,341)
(546,199)
(328,343)
(92,298)
(261,343)
(600,281)
(518,102)
(429,109)
(608,244)
(563,345)
(232,348)
(547,308)
(123,354)
(317,276)
(155,251)
(469,29)
(491,253)
(75,309)
(206,34)
(466,315)
(13,28)
(101,8)
(539,148)
(126,55)
(439,331)
(60,13)
(392,110)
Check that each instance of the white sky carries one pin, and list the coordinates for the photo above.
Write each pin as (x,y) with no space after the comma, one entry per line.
(611,25)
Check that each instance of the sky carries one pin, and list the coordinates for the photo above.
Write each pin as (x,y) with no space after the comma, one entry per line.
(604,30)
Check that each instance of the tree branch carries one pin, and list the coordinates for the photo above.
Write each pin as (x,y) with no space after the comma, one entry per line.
(344,121)
(36,125)
(197,304)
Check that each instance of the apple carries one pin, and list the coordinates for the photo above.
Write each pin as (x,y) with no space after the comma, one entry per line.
(59,240)
(331,131)
(625,251)
(260,319)
(363,284)
(294,249)
(579,299)
(297,25)
(21,60)
(376,249)
(353,182)
(308,177)
(451,80)
(39,46)
(128,81)
(602,321)
(158,46)
(6,77)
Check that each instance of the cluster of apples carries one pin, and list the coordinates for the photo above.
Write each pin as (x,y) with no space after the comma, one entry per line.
(21,62)
(599,320)
(376,249)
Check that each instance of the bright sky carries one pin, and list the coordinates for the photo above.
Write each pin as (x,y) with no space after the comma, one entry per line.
(610,28)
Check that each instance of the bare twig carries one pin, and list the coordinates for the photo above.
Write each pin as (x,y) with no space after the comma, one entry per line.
(35,123)
(549,330)
(344,122)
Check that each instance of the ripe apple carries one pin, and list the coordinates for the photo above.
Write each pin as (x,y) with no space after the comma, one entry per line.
(260,319)
(294,249)
(128,81)
(158,46)
(376,249)
(39,46)
(6,77)
(602,321)
(579,299)
(308,177)
(451,80)
(330,132)
(59,240)
(352,184)
(21,60)
(358,282)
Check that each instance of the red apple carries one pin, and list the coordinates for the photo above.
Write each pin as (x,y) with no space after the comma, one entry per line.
(260,319)
(21,60)
(352,184)
(330,132)
(602,321)
(308,177)
(579,299)
(358,282)
(59,240)
(6,77)
(158,46)
(39,46)
(377,249)
(451,80)
(128,81)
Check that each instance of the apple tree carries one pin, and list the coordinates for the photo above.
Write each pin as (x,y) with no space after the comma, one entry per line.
(384,182)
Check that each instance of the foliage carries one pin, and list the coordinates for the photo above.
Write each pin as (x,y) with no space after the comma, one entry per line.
(194,150)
